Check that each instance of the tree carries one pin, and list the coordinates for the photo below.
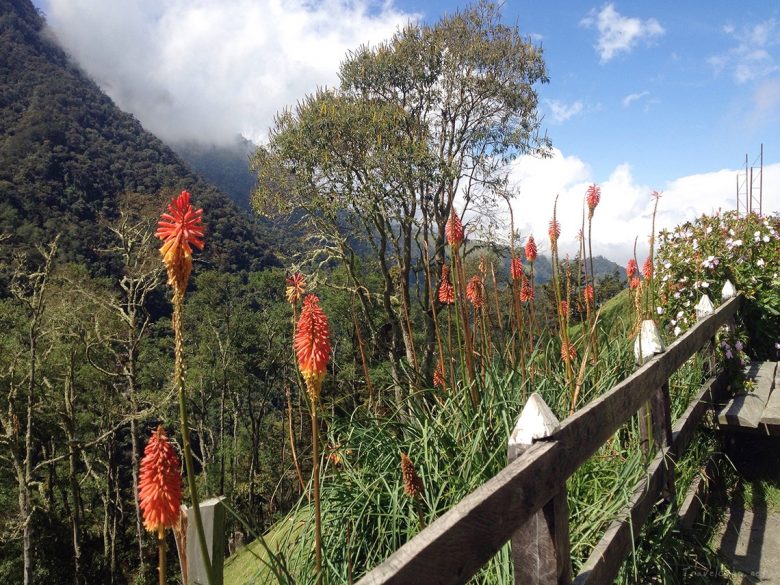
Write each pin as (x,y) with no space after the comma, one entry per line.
(437,111)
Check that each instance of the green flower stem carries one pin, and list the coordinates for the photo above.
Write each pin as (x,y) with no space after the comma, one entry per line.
(178,303)
(315,479)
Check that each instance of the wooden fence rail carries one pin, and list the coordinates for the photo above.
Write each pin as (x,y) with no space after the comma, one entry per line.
(454,547)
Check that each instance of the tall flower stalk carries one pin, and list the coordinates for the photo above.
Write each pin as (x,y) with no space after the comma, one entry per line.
(181,229)
(312,348)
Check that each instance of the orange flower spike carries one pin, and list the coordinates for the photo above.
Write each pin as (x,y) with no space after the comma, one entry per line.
(312,345)
(413,485)
(296,286)
(180,229)
(564,308)
(554,231)
(516,269)
(589,294)
(454,230)
(475,291)
(530,249)
(568,351)
(593,196)
(159,487)
(647,268)
(634,282)
(631,269)
(438,376)
(446,290)
(526,291)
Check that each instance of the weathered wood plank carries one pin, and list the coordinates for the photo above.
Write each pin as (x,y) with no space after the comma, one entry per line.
(745,410)
(697,495)
(771,415)
(541,551)
(608,555)
(485,519)
(711,393)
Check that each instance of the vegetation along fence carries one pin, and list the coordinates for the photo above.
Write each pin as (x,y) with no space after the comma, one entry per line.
(526,501)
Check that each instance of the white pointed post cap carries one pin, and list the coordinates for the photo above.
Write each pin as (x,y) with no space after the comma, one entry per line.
(704,307)
(728,291)
(536,421)
(648,342)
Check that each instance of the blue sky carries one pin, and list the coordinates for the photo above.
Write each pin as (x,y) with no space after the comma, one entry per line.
(674,87)
(643,96)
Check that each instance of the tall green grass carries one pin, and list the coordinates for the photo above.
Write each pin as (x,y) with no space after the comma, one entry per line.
(456,447)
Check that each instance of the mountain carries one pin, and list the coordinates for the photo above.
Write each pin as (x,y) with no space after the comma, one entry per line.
(67,153)
(226,166)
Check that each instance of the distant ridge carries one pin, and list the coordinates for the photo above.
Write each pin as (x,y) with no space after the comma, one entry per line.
(67,152)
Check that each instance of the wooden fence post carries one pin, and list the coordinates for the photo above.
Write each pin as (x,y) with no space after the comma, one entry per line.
(540,547)
(212,513)
(648,343)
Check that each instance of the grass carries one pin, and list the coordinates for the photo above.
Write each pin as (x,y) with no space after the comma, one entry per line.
(457,447)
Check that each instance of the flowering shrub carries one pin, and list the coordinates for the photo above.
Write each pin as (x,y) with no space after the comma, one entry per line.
(698,257)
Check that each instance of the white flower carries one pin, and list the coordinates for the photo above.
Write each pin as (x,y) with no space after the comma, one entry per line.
(680,314)
(765,238)
(677,331)
(760,262)
(705,284)
(659,310)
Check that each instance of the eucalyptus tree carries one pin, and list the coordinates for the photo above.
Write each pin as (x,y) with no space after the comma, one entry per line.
(432,114)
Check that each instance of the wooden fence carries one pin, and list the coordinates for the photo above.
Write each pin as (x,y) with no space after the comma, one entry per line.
(526,501)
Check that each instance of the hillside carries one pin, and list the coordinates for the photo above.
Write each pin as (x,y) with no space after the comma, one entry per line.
(67,152)
(226,166)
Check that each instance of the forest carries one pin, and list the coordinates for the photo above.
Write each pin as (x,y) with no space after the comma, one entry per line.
(342,365)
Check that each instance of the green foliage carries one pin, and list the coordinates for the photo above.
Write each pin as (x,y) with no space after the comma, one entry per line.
(67,153)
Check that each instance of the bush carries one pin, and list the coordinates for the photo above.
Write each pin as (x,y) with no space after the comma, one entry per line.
(697,258)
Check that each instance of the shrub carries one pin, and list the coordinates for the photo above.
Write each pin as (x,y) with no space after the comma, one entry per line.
(697,258)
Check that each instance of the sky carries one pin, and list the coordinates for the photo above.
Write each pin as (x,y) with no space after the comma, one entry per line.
(661,96)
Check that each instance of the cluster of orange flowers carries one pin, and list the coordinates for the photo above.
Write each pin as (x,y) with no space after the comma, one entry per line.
(180,229)
(159,487)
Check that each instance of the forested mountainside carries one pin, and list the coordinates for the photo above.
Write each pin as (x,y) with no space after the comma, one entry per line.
(226,166)
(67,153)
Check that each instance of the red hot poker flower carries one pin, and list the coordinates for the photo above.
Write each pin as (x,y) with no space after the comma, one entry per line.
(593,196)
(312,345)
(554,230)
(159,487)
(589,294)
(530,249)
(516,269)
(526,291)
(438,376)
(647,268)
(564,308)
(634,282)
(568,351)
(454,230)
(413,485)
(296,286)
(475,291)
(631,269)
(446,290)
(180,229)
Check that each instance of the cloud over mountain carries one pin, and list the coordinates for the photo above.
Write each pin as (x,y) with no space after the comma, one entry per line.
(211,69)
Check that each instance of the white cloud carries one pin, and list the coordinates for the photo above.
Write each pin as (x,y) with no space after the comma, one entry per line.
(633,97)
(619,34)
(754,55)
(561,111)
(625,211)
(211,69)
